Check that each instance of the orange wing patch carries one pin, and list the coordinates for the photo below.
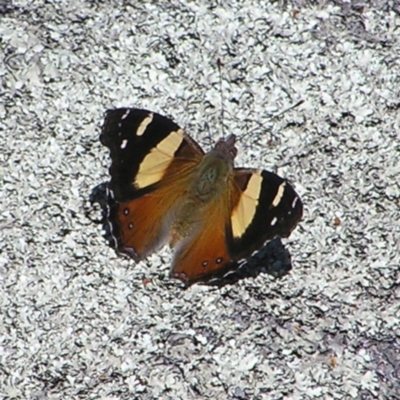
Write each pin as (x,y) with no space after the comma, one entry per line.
(141,232)
(204,252)
(203,255)
(144,222)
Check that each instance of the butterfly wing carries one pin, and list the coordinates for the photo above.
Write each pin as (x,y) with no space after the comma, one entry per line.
(263,206)
(151,163)
(203,254)
(256,207)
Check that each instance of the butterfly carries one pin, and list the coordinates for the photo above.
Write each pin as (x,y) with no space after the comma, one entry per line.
(164,188)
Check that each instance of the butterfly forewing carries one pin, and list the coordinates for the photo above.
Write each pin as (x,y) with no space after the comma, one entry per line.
(266,207)
(142,145)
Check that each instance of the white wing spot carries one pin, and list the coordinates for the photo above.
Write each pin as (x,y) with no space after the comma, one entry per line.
(279,194)
(274,221)
(127,112)
(295,202)
(144,124)
(110,193)
(124,143)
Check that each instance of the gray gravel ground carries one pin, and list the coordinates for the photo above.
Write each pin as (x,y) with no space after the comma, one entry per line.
(79,322)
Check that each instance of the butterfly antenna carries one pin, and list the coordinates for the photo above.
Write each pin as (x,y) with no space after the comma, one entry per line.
(222,97)
(291,107)
(271,117)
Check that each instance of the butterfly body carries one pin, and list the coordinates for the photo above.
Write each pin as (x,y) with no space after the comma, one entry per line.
(209,177)
(164,189)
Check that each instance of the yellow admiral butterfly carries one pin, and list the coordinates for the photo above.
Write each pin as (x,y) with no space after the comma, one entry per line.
(163,188)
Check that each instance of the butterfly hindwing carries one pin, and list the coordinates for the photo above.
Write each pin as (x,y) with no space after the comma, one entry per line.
(152,159)
(204,253)
(141,225)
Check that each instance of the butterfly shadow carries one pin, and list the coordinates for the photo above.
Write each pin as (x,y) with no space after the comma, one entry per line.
(98,199)
(272,259)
